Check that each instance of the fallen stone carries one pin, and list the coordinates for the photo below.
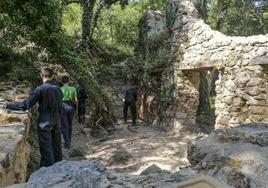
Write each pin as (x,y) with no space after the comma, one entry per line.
(153,169)
(120,156)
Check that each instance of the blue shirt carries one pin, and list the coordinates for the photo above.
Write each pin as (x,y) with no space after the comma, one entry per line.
(49,98)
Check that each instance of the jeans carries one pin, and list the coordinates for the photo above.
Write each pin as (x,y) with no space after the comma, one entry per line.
(133,112)
(67,114)
(49,137)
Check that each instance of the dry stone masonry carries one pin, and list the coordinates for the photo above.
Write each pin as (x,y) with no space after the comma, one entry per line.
(242,88)
(14,129)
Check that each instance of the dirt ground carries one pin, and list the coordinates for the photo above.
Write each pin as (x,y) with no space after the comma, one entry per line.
(132,150)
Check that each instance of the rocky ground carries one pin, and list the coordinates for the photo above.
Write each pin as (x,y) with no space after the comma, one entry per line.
(237,157)
(93,174)
(131,151)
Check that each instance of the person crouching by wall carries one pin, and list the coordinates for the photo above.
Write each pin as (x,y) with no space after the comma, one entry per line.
(69,103)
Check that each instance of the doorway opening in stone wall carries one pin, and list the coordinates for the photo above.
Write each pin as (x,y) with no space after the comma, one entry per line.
(206,109)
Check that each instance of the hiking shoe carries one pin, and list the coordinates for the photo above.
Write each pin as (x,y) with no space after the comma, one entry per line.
(134,126)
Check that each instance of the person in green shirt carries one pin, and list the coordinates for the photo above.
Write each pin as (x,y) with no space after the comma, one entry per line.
(69,103)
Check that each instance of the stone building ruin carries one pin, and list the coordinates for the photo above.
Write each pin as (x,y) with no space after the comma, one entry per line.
(242,62)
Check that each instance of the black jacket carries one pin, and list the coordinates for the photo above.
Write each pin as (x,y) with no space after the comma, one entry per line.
(49,97)
(131,96)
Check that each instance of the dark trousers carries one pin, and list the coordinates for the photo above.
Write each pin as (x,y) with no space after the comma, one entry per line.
(49,144)
(67,114)
(133,111)
(81,111)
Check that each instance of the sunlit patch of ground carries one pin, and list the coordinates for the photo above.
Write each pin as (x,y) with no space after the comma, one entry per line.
(132,151)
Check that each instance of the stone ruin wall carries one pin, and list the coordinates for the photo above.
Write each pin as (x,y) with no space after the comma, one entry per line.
(242,95)
(242,89)
(14,131)
(180,113)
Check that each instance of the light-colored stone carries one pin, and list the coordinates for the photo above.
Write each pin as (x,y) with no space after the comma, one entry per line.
(92,174)
(238,156)
(202,182)
(14,147)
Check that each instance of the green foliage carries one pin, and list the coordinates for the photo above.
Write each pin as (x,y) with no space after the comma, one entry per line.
(71,22)
(32,20)
(238,17)
(119,27)
(25,27)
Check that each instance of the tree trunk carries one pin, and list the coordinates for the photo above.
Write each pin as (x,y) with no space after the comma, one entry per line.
(87,17)
(220,22)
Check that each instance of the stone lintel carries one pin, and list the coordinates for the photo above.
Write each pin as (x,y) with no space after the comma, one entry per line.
(197,66)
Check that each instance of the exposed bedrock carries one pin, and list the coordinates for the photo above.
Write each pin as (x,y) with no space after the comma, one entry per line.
(14,131)
(237,156)
(92,174)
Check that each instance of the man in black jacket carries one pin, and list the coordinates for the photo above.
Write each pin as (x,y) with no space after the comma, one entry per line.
(130,101)
(49,97)
(82,96)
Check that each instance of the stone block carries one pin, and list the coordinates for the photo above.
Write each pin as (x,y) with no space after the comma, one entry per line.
(258,110)
(253,91)
(237,101)
(255,82)
(253,101)
(260,97)
(230,85)
(202,182)
(237,119)
(223,120)
(228,100)
(256,118)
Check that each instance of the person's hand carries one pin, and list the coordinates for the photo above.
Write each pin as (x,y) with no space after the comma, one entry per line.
(3,105)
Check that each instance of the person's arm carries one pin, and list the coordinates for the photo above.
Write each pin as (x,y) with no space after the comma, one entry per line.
(28,103)
(75,97)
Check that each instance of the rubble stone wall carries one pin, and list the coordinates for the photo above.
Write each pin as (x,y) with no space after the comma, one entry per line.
(242,95)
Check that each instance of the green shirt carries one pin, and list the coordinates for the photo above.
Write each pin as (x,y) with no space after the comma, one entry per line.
(69,93)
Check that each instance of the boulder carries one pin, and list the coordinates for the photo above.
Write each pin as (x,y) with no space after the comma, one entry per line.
(93,174)
(121,156)
(153,169)
(238,156)
(14,146)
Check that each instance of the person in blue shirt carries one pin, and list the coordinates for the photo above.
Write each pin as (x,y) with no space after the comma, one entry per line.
(49,99)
